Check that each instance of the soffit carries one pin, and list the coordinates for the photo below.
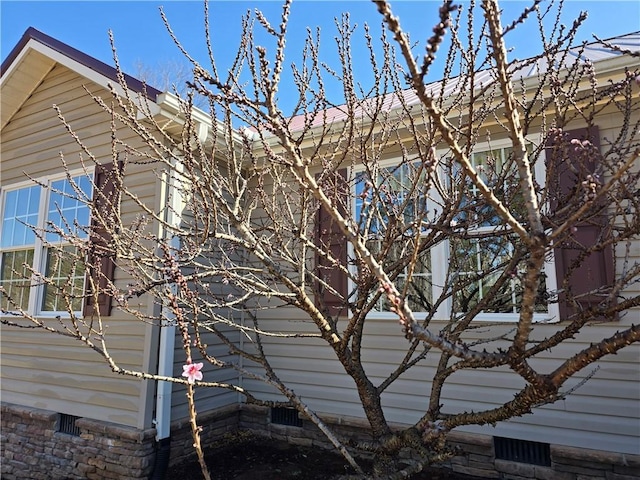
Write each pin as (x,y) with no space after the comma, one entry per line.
(28,71)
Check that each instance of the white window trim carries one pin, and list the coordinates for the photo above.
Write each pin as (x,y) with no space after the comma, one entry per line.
(36,293)
(440,253)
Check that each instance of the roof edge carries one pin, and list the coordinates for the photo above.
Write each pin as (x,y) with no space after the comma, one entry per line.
(74,54)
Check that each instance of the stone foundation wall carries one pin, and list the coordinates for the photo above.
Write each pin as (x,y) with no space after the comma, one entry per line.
(31,447)
(257,420)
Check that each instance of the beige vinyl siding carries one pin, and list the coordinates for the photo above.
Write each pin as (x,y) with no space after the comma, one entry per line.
(49,371)
(207,398)
(601,414)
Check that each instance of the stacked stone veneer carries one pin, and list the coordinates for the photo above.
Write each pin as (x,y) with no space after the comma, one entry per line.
(33,449)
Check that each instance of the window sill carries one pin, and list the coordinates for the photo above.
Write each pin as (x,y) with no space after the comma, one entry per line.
(538,318)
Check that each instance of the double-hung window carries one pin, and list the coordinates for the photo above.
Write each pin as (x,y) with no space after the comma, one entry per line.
(42,271)
(479,267)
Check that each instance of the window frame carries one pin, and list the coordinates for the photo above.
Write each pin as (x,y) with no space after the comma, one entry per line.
(440,254)
(42,246)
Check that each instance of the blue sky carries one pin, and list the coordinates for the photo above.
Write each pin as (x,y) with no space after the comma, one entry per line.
(141,37)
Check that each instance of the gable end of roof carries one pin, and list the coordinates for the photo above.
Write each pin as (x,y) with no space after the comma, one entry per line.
(76,55)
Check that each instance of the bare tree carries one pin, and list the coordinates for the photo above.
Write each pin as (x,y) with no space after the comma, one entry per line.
(303,211)
(170,75)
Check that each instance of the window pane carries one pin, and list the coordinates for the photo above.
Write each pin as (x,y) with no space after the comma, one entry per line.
(8,227)
(54,221)
(34,200)
(498,171)
(84,182)
(477,265)
(15,279)
(66,275)
(362,197)
(419,292)
(67,209)
(503,300)
(22,205)
(82,217)
(19,212)
(11,200)
(20,234)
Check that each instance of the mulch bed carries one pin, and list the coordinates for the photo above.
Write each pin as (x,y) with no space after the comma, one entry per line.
(267,459)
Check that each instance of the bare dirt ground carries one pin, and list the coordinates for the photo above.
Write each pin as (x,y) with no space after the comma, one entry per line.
(265,459)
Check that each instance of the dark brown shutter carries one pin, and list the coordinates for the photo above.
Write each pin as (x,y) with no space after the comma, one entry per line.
(330,237)
(569,163)
(101,261)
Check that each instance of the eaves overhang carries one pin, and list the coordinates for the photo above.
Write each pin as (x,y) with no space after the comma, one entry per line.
(170,111)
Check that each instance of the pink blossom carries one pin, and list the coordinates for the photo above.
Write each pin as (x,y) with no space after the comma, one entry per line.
(192,372)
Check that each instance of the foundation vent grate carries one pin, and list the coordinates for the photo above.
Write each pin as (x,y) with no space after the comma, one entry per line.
(522,451)
(285,416)
(67,424)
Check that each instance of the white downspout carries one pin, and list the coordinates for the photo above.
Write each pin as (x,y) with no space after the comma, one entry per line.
(171,198)
(168,327)
(174,204)
(165,368)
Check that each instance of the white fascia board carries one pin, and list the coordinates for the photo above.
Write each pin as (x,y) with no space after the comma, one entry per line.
(77,67)
(17,61)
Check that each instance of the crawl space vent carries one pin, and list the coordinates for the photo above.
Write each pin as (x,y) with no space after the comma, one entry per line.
(285,416)
(522,451)
(67,424)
